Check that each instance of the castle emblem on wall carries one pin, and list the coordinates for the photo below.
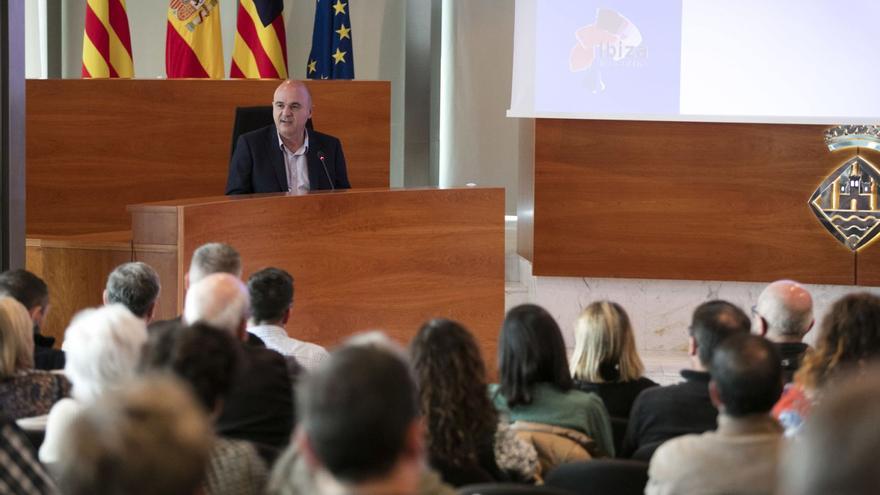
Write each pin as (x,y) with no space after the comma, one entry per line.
(847,205)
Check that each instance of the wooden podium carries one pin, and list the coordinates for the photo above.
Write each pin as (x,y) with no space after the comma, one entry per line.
(361,259)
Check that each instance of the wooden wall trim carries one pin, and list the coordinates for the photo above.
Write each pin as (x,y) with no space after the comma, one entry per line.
(95,146)
(676,200)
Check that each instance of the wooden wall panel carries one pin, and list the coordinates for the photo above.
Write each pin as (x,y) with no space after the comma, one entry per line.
(95,146)
(75,268)
(868,258)
(368,259)
(683,201)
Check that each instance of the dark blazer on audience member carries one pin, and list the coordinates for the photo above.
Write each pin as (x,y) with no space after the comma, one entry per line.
(259,408)
(617,396)
(257,165)
(792,354)
(661,413)
(45,356)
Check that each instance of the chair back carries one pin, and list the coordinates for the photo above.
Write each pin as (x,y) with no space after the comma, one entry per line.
(601,477)
(618,431)
(252,118)
(646,452)
(510,489)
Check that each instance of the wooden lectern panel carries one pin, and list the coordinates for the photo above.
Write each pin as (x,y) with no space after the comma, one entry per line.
(95,146)
(674,200)
(361,259)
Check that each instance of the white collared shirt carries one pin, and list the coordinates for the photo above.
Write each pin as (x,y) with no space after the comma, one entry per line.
(308,355)
(296,166)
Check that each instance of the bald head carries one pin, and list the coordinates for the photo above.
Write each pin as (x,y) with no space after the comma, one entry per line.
(220,300)
(785,308)
(291,109)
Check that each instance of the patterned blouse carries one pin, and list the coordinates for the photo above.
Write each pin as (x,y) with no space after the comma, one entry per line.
(31,393)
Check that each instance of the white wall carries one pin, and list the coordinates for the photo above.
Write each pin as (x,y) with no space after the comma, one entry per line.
(478,143)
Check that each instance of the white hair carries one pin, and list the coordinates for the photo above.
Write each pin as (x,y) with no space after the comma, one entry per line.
(787,307)
(103,347)
(220,300)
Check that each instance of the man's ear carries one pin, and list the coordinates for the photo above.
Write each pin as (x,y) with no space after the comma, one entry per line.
(414,448)
(242,332)
(304,444)
(692,346)
(809,327)
(186,281)
(151,311)
(104,298)
(762,326)
(37,315)
(715,395)
(286,316)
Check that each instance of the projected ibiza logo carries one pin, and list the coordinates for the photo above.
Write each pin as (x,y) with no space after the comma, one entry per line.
(846,201)
(611,40)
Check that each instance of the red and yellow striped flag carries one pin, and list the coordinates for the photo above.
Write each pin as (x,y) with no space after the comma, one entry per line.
(260,50)
(193,45)
(106,40)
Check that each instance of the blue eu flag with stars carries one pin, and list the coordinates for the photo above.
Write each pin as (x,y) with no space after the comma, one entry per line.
(332,56)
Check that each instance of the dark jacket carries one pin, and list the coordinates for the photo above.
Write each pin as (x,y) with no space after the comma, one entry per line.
(661,413)
(259,408)
(617,396)
(257,165)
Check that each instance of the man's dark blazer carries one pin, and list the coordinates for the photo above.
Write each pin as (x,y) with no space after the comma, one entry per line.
(257,165)
(260,406)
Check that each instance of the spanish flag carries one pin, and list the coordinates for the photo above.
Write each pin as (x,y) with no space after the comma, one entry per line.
(260,50)
(106,40)
(193,45)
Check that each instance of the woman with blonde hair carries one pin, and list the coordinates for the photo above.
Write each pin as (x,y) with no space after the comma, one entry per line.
(605,360)
(24,391)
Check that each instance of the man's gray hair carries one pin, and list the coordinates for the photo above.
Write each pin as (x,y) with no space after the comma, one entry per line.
(787,308)
(220,300)
(134,285)
(150,437)
(214,257)
(103,347)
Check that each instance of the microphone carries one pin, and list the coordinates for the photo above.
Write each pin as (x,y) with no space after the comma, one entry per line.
(323,158)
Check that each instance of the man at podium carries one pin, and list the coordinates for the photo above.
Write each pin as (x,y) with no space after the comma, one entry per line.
(286,157)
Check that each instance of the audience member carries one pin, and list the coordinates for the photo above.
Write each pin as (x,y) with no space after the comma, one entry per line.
(605,359)
(206,359)
(32,292)
(361,426)
(464,440)
(24,391)
(135,285)
(259,408)
(22,473)
(210,258)
(271,292)
(148,438)
(836,453)
(535,383)
(661,413)
(848,337)
(742,456)
(784,314)
(103,349)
